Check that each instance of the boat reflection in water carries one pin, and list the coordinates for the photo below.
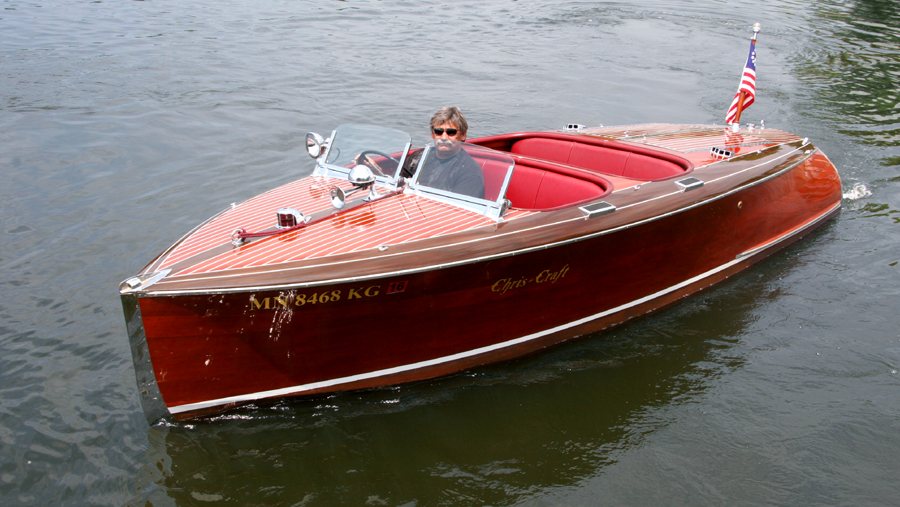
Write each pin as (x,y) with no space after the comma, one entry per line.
(383,279)
(489,437)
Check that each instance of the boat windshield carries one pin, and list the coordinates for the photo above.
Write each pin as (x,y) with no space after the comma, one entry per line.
(465,174)
(382,149)
(460,174)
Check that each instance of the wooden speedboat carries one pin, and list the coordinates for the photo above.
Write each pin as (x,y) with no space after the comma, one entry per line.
(351,279)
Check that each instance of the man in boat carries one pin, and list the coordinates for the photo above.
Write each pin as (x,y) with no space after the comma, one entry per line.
(448,166)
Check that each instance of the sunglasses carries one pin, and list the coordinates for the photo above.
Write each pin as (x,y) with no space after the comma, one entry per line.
(440,131)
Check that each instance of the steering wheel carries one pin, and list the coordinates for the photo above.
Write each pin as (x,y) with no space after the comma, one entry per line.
(365,157)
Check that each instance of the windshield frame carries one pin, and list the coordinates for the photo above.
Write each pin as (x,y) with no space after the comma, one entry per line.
(491,208)
(348,137)
(342,138)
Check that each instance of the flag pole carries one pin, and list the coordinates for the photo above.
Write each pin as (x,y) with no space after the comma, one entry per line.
(743,95)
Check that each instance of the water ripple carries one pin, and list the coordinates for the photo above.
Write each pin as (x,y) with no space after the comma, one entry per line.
(124,124)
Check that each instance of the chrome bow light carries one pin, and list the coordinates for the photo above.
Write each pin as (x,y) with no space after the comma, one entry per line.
(315,144)
(289,217)
(361,177)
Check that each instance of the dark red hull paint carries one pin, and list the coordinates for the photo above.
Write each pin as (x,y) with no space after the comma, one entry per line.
(222,346)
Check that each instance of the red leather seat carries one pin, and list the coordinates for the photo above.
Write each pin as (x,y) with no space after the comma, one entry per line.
(597,158)
(539,189)
(494,172)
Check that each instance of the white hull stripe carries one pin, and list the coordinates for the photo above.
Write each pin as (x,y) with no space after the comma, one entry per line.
(286,391)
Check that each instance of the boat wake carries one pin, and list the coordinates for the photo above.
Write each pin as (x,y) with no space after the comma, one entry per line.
(858,191)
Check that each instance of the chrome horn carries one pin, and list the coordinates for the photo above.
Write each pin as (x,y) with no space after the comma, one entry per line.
(362,178)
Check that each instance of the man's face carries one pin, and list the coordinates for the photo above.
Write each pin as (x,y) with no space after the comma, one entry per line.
(447,145)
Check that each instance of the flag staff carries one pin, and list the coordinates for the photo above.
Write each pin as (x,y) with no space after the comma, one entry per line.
(743,94)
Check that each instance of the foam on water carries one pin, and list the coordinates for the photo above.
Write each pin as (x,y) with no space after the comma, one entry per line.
(859,191)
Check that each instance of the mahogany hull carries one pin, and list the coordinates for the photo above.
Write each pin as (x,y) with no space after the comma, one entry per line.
(216,348)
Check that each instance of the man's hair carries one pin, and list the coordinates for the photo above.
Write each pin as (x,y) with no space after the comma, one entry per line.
(450,114)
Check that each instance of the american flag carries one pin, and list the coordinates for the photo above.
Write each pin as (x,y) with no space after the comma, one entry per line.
(748,85)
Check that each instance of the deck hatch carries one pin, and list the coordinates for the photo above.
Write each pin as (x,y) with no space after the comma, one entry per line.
(596,209)
(689,184)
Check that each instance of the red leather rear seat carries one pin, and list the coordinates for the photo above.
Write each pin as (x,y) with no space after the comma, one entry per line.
(536,187)
(642,167)
(597,158)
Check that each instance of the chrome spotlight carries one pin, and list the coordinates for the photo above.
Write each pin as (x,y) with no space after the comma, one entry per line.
(315,144)
(361,176)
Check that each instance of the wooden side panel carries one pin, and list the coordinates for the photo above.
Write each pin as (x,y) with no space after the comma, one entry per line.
(241,345)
